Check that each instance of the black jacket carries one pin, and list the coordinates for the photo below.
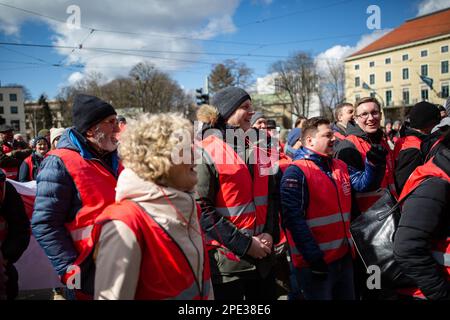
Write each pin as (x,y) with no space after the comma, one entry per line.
(18,235)
(407,160)
(425,218)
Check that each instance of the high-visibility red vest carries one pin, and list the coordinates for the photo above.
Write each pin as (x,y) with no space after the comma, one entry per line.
(283,165)
(240,199)
(408,142)
(96,187)
(338,135)
(366,199)
(328,212)
(165,271)
(29,161)
(440,248)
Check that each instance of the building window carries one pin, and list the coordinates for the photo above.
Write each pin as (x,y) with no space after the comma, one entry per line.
(14,110)
(424,94)
(372,64)
(372,94)
(405,73)
(357,82)
(424,70)
(444,66)
(444,91)
(405,96)
(388,97)
(372,79)
(16,125)
(405,57)
(357,97)
(12,97)
(356,66)
(2,111)
(1,96)
(444,49)
(387,61)
(424,53)
(388,76)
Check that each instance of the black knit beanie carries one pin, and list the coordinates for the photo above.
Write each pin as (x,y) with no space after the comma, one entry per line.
(88,111)
(424,115)
(228,100)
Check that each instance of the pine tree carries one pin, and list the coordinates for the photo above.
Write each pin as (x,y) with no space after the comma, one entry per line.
(220,77)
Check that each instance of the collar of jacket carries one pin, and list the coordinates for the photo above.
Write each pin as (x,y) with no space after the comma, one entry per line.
(442,160)
(357,131)
(321,160)
(405,131)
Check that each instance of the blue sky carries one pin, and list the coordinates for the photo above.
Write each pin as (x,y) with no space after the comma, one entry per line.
(228,29)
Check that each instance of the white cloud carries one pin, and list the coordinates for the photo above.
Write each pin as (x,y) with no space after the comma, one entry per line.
(161,26)
(428,6)
(75,77)
(338,52)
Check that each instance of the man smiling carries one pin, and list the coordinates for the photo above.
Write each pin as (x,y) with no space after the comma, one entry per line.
(75,183)
(316,202)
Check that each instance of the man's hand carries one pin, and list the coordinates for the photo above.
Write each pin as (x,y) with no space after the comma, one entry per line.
(266,239)
(377,154)
(258,249)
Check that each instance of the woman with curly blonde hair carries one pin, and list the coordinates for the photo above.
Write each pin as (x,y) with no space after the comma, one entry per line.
(149,244)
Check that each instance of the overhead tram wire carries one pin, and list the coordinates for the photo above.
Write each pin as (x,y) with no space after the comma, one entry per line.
(148,34)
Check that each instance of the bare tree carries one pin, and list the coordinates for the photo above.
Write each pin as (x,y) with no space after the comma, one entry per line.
(296,77)
(241,73)
(332,82)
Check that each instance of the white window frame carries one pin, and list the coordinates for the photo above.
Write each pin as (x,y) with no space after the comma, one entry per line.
(420,53)
(443,83)
(409,95)
(428,70)
(445,45)
(385,76)
(407,57)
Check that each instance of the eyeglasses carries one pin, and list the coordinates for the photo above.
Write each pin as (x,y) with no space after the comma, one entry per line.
(365,115)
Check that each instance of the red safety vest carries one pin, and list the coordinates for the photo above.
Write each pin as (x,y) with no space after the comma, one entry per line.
(441,248)
(366,199)
(96,187)
(328,212)
(165,271)
(408,142)
(29,161)
(240,199)
(338,135)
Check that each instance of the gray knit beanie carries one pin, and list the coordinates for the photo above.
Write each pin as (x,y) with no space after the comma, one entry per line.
(228,100)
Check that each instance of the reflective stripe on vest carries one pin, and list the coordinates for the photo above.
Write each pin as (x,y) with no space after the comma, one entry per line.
(328,212)
(366,199)
(171,276)
(440,250)
(96,187)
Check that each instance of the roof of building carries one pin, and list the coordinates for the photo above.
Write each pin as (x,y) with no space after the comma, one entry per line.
(420,28)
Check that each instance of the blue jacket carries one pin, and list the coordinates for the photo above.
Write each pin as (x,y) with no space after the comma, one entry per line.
(295,197)
(58,200)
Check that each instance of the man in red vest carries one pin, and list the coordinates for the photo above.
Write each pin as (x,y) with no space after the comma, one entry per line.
(407,152)
(343,113)
(316,203)
(75,183)
(361,138)
(422,241)
(238,216)
(11,152)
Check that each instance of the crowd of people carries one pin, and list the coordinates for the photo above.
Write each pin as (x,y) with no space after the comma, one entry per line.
(224,209)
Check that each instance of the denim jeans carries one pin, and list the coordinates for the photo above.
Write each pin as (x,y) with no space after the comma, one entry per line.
(338,285)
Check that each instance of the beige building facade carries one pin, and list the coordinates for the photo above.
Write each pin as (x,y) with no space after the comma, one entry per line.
(12,108)
(392,73)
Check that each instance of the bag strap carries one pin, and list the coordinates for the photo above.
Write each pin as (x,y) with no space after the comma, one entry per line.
(406,197)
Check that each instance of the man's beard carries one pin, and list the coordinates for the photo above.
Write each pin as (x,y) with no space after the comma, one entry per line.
(102,142)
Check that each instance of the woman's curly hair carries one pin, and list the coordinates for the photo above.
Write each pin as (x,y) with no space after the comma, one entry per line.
(147,144)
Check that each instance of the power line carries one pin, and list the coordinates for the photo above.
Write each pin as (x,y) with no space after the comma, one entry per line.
(148,34)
